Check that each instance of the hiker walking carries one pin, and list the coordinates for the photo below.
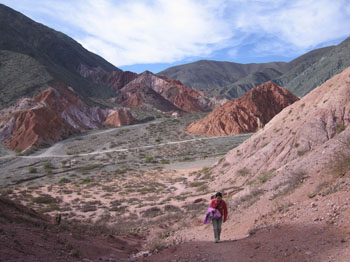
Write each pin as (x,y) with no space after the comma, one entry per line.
(219,206)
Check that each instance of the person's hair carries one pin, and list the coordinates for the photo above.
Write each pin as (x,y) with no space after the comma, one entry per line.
(218,194)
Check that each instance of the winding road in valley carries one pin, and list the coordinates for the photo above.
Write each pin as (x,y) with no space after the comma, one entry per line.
(51,152)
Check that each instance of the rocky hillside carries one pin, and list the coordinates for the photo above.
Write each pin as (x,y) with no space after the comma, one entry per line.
(45,56)
(52,115)
(114,80)
(206,75)
(243,85)
(286,183)
(314,68)
(247,114)
(165,94)
(30,236)
(300,141)
(232,80)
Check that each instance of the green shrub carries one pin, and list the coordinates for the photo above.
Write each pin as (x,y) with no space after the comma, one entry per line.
(197,183)
(152,212)
(32,170)
(340,128)
(64,180)
(290,184)
(47,165)
(149,158)
(90,167)
(172,208)
(85,181)
(339,165)
(265,176)
(243,172)
(251,198)
(44,199)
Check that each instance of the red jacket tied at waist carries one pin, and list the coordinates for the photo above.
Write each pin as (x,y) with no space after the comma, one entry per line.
(221,207)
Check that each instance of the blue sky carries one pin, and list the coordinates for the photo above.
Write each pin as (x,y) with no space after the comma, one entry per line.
(139,35)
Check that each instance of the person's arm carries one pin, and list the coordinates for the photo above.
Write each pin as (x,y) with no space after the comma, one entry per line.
(225,212)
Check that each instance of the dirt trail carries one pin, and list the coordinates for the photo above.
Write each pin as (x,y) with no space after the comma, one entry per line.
(282,243)
(50,152)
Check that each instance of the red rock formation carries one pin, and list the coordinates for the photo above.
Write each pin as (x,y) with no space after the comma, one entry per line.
(142,96)
(52,116)
(119,117)
(141,90)
(160,92)
(304,137)
(247,114)
(115,80)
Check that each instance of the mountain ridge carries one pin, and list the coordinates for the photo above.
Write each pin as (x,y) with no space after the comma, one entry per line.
(295,75)
(55,54)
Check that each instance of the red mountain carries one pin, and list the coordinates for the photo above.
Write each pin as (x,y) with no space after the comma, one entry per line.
(165,94)
(247,114)
(51,116)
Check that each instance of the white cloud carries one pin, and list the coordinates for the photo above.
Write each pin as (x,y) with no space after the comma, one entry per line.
(292,25)
(165,31)
(150,31)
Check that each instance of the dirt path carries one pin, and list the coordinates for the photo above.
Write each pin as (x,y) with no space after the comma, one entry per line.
(49,153)
(282,243)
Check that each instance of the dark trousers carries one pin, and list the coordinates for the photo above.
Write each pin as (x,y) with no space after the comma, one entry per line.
(217,228)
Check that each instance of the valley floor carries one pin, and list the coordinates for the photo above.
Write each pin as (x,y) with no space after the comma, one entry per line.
(144,181)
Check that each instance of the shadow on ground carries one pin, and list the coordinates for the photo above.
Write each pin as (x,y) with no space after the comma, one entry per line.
(293,242)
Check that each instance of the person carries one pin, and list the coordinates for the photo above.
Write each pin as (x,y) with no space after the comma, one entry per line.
(220,205)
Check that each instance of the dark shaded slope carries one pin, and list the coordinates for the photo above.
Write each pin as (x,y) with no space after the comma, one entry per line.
(314,68)
(26,235)
(233,80)
(58,54)
(240,87)
(208,75)
(20,75)
(23,35)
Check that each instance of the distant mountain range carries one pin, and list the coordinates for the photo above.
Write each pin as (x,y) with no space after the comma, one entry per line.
(52,87)
(34,57)
(233,80)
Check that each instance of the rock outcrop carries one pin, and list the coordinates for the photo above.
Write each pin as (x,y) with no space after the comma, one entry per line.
(114,80)
(149,90)
(51,116)
(119,117)
(247,114)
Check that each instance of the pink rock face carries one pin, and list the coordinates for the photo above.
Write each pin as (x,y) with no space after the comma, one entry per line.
(119,117)
(51,116)
(115,80)
(304,137)
(163,93)
(149,91)
(247,114)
